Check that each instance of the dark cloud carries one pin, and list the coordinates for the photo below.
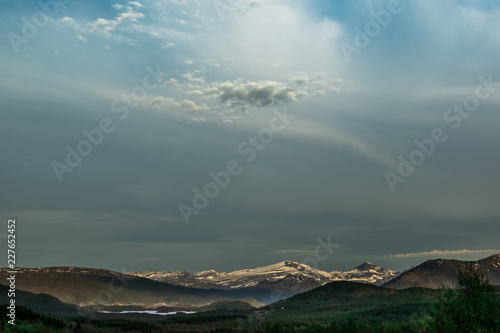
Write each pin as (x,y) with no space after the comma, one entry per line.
(322,175)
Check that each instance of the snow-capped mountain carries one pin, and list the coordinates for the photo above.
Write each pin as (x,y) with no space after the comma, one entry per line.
(286,276)
(85,286)
(366,273)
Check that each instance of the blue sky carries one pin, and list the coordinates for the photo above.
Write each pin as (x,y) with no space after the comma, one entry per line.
(177,89)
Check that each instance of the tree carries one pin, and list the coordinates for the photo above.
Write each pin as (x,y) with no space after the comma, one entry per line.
(471,307)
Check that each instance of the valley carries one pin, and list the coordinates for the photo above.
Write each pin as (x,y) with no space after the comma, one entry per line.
(286,294)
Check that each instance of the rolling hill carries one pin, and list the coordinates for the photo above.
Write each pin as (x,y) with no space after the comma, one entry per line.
(438,273)
(341,300)
(98,287)
(38,302)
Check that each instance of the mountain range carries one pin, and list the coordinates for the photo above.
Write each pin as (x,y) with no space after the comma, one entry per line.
(67,288)
(100,287)
(284,276)
(87,287)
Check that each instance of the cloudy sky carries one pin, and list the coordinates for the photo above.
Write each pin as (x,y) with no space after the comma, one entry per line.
(194,135)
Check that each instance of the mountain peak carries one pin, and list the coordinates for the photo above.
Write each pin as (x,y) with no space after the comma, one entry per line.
(290,263)
(208,273)
(287,265)
(282,274)
(366,266)
(438,273)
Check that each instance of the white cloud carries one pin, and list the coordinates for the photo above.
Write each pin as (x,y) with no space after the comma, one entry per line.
(198,119)
(190,106)
(161,101)
(204,92)
(306,252)
(223,97)
(129,15)
(192,78)
(114,27)
(300,80)
(257,94)
(436,253)
(137,4)
(277,33)
(166,45)
(211,62)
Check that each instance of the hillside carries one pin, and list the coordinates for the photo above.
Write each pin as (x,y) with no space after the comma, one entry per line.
(439,273)
(340,300)
(39,302)
(98,287)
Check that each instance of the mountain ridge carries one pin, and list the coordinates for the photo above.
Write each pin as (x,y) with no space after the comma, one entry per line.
(88,287)
(438,273)
(281,271)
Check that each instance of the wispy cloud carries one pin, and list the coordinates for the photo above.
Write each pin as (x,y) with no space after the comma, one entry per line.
(126,20)
(435,253)
(334,135)
(307,252)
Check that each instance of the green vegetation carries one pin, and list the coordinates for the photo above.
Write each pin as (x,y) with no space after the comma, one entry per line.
(28,320)
(472,307)
(340,301)
(336,307)
(243,304)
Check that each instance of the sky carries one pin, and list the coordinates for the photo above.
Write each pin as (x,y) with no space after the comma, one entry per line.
(195,135)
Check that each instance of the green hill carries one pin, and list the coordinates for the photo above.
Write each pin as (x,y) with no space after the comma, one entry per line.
(341,300)
(38,302)
(239,304)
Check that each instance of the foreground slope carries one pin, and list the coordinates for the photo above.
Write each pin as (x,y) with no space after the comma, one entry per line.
(340,300)
(38,302)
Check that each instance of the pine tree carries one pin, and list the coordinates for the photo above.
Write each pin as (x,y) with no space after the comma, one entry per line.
(471,307)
